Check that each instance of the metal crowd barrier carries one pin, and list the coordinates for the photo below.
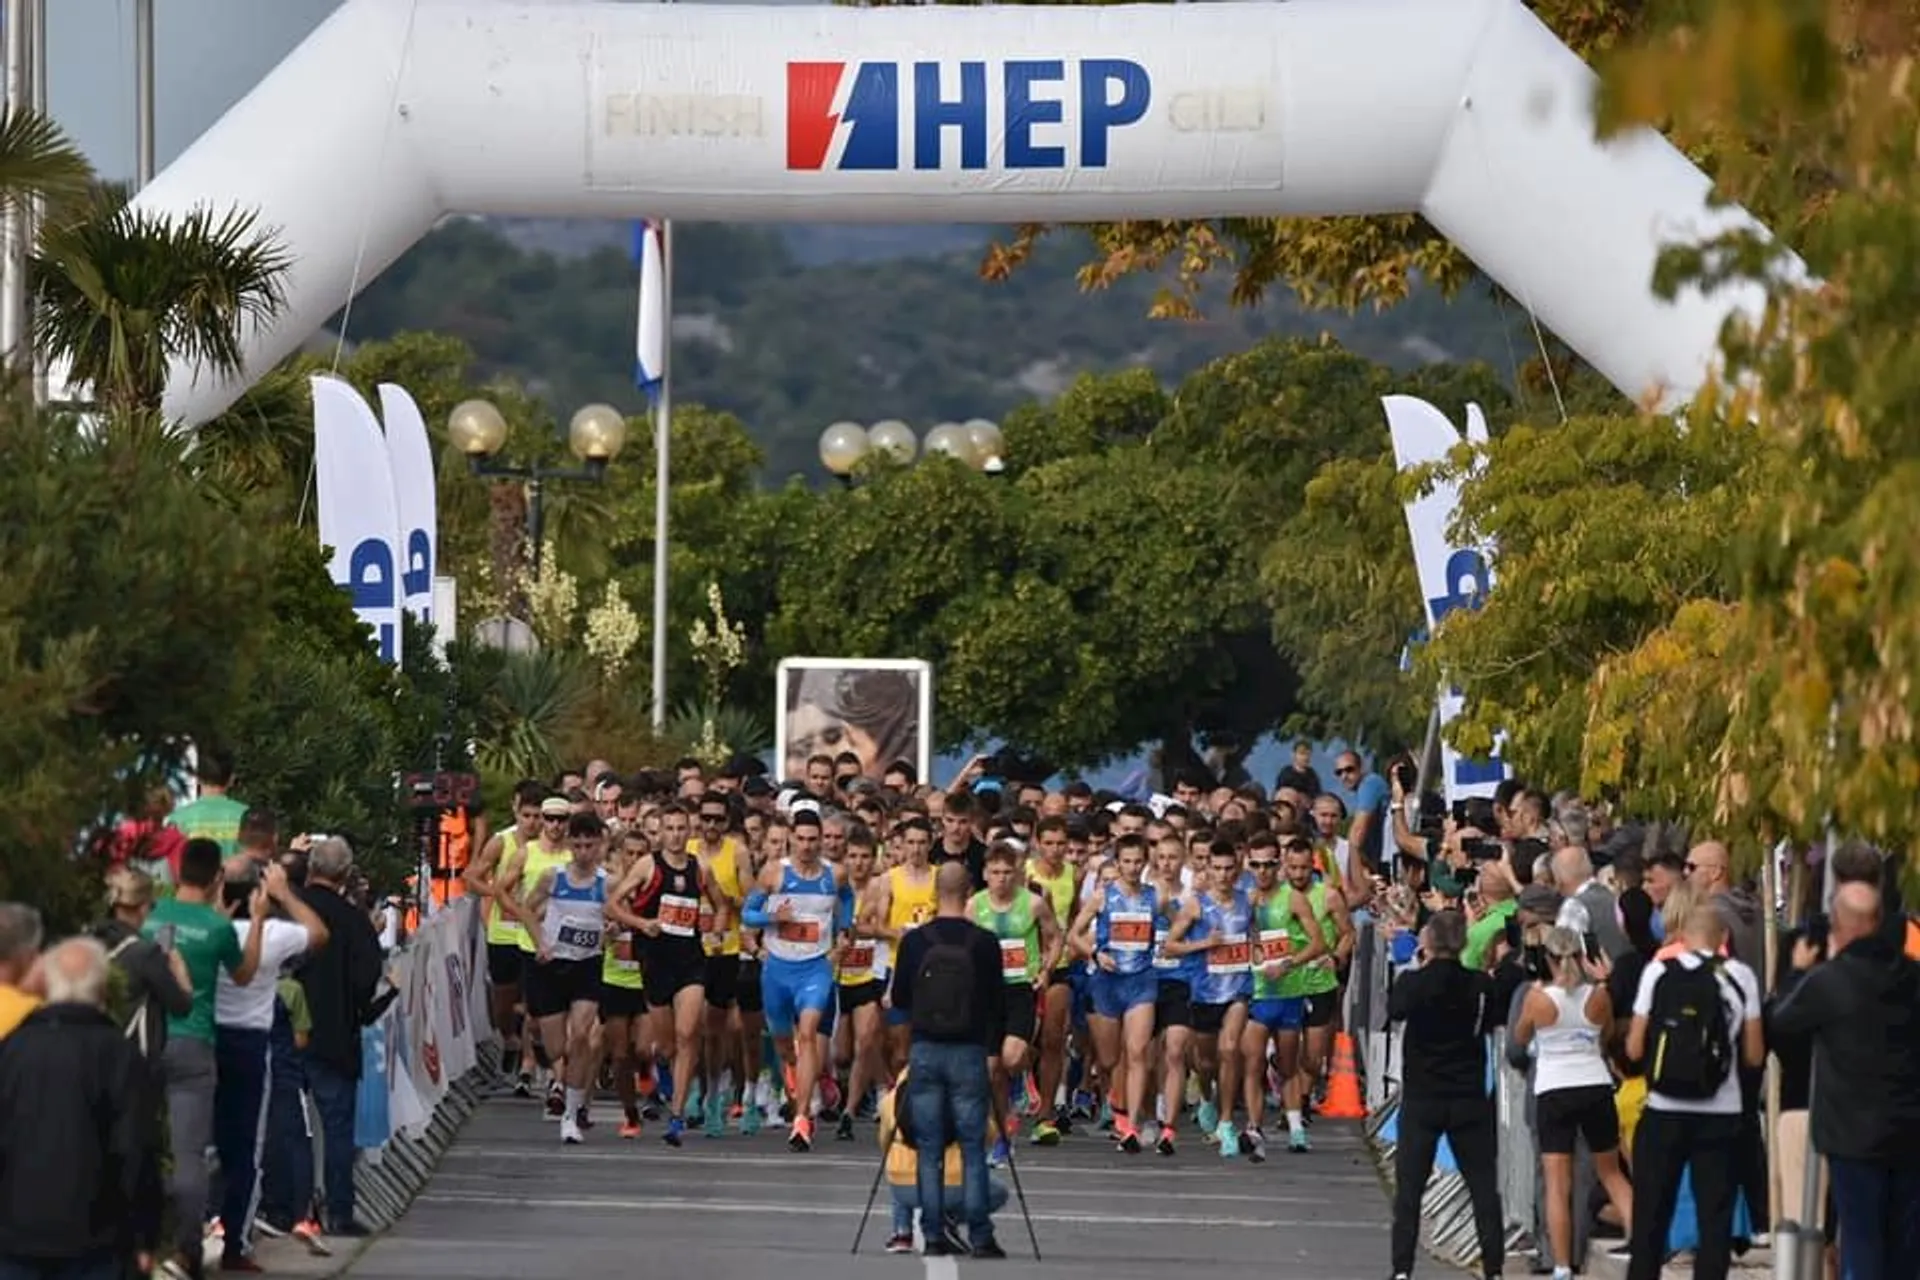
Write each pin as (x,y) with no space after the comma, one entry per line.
(1445,1207)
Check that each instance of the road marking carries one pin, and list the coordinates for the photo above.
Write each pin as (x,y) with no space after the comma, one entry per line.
(816,1210)
(1162,1171)
(942,1269)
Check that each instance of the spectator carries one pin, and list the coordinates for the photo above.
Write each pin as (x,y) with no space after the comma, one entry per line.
(1371,798)
(1859,1008)
(19,949)
(1590,908)
(947,984)
(202,933)
(903,1175)
(256,843)
(1493,895)
(243,1017)
(1299,772)
(339,982)
(76,1199)
(214,815)
(158,986)
(1693,1111)
(1448,1010)
(1709,869)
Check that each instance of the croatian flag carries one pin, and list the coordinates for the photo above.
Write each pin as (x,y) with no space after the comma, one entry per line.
(650,339)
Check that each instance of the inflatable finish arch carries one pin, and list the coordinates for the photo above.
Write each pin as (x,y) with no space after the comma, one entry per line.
(397,112)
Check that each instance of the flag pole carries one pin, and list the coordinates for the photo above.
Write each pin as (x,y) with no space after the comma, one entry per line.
(662,440)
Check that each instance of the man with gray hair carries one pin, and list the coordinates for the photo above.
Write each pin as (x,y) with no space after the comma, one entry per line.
(19,948)
(78,1197)
(1590,908)
(339,981)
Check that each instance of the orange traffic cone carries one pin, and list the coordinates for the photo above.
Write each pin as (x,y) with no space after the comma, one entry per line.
(1343,1085)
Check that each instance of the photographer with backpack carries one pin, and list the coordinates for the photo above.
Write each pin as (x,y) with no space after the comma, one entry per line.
(1696,1017)
(947,984)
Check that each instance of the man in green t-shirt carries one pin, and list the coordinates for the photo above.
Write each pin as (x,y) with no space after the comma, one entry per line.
(215,815)
(194,924)
(1495,888)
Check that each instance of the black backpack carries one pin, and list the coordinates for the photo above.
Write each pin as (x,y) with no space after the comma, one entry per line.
(943,991)
(1690,1045)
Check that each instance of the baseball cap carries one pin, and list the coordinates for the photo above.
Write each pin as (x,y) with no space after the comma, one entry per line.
(1540,900)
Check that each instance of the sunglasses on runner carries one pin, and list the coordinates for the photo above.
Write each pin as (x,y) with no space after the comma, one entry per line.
(1262,864)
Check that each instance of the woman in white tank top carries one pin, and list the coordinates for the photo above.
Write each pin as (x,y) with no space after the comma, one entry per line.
(1566,1020)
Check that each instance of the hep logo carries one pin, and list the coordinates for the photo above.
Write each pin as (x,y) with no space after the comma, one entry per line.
(850,115)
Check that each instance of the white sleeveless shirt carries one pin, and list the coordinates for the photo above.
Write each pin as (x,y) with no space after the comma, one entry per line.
(1568,1054)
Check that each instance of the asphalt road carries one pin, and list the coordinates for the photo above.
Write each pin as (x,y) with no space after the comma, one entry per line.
(511,1203)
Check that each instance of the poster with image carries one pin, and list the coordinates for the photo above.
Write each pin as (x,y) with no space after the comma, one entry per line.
(881,709)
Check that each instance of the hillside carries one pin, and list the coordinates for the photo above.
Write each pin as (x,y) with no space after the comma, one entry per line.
(765,328)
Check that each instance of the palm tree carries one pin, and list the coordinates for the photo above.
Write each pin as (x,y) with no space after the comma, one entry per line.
(38,161)
(122,293)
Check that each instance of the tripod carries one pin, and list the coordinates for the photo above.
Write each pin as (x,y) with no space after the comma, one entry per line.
(1013,1172)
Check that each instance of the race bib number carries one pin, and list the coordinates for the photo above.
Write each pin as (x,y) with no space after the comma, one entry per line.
(1130,931)
(1013,959)
(1229,956)
(1161,960)
(581,936)
(679,917)
(804,933)
(1274,944)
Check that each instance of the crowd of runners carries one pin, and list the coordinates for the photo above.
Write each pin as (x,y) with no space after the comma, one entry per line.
(714,951)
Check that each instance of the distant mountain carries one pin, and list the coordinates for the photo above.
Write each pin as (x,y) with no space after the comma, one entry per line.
(794,327)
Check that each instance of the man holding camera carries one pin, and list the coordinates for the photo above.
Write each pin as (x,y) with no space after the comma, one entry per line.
(947,984)
(1448,1010)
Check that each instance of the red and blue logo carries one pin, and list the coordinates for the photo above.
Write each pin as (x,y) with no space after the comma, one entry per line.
(850,115)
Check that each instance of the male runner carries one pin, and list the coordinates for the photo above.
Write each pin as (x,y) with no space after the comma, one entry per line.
(660,898)
(1175,971)
(861,978)
(499,858)
(1058,881)
(1316,983)
(1277,909)
(1213,925)
(723,860)
(545,852)
(756,1094)
(566,915)
(903,900)
(1115,929)
(623,1002)
(1030,945)
(798,906)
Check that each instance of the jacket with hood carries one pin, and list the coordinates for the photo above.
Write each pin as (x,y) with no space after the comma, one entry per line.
(1740,909)
(1862,1012)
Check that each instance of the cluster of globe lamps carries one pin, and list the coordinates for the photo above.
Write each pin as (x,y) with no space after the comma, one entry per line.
(976,443)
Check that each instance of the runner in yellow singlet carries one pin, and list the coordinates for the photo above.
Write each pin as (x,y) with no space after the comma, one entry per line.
(623,1002)
(1058,880)
(904,900)
(861,978)
(499,859)
(724,859)
(548,852)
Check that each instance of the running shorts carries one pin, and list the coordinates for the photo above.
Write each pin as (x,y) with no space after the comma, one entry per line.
(1172,1006)
(1023,1007)
(1115,993)
(860,994)
(790,988)
(665,981)
(1282,1013)
(749,999)
(621,1002)
(556,986)
(503,964)
(723,981)
(1321,1008)
(1208,1019)
(1561,1115)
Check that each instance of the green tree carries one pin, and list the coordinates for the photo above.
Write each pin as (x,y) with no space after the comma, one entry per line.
(121,293)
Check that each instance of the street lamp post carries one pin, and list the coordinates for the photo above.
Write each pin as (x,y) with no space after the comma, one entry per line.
(596,435)
(978,443)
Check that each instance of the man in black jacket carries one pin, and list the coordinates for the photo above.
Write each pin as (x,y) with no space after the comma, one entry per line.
(1448,1010)
(75,1133)
(1862,1010)
(339,982)
(947,981)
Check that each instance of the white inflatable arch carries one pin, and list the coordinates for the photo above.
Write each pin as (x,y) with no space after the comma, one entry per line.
(395,113)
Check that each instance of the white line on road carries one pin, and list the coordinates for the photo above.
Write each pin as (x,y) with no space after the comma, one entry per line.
(942,1269)
(1162,1171)
(722,1205)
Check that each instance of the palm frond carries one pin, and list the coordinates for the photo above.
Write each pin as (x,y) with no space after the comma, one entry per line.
(38,160)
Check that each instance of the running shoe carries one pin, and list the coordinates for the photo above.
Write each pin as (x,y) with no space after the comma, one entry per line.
(582,1119)
(1208,1116)
(750,1121)
(843,1132)
(1298,1141)
(1001,1153)
(696,1103)
(1129,1137)
(309,1234)
(556,1100)
(716,1120)
(1045,1135)
(1165,1145)
(900,1244)
(523,1085)
(801,1139)
(570,1131)
(630,1127)
(1063,1119)
(1256,1146)
(676,1130)
(1229,1140)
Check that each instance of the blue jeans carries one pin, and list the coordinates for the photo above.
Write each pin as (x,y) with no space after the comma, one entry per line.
(239,1122)
(286,1167)
(947,1098)
(334,1096)
(907,1199)
(1879,1212)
